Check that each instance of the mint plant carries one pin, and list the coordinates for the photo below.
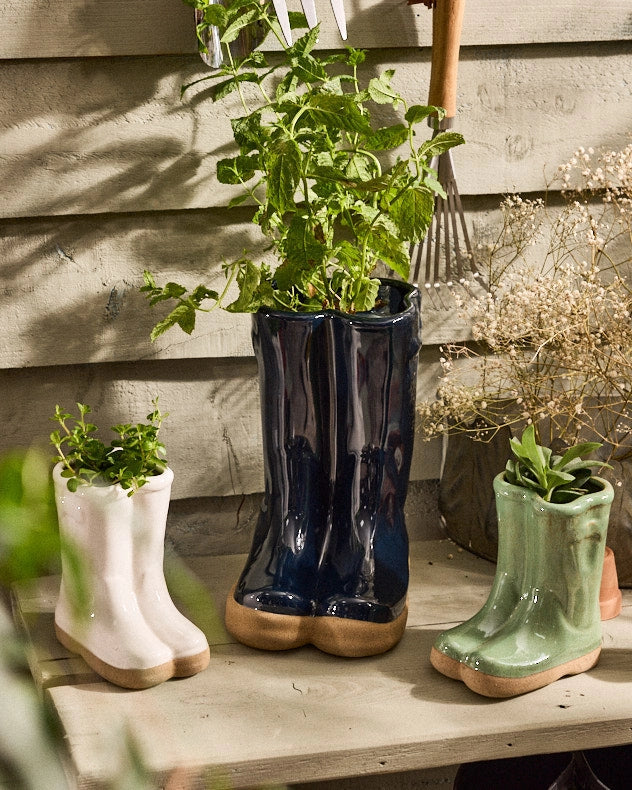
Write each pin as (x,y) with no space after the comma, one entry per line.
(328,199)
(556,478)
(134,455)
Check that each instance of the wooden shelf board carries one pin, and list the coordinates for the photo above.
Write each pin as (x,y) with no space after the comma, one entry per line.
(256,717)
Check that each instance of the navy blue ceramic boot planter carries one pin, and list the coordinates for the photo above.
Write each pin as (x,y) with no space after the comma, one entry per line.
(329,559)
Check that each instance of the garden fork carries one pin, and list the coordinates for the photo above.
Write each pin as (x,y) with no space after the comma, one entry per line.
(309,7)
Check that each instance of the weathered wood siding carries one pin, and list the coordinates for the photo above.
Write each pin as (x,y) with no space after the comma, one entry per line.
(104,171)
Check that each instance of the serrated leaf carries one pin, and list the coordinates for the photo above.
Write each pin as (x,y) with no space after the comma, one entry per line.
(238,24)
(365,293)
(183,315)
(439,144)
(301,247)
(355,56)
(306,43)
(215,14)
(380,89)
(386,138)
(248,280)
(338,112)
(284,172)
(390,250)
(412,213)
(309,69)
(248,132)
(236,169)
(222,89)
(360,168)
(419,112)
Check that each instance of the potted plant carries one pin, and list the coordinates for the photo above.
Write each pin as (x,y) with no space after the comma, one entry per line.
(541,620)
(552,345)
(336,346)
(112,502)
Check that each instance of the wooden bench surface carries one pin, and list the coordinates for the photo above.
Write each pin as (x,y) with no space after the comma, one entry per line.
(253,717)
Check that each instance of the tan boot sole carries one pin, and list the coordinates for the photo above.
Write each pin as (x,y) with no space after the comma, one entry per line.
(127,678)
(336,635)
(498,687)
(449,667)
(186,666)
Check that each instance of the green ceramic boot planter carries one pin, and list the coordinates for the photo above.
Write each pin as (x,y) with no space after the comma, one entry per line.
(456,644)
(555,629)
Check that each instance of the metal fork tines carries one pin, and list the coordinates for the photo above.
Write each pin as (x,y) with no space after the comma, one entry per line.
(447,239)
(309,8)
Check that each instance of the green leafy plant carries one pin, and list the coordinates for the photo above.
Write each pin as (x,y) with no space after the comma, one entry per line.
(556,478)
(132,456)
(332,197)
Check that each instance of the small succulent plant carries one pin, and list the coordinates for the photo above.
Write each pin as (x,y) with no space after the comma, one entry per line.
(556,478)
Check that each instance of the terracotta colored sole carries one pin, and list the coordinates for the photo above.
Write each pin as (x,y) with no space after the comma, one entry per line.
(336,635)
(186,666)
(127,678)
(449,667)
(499,687)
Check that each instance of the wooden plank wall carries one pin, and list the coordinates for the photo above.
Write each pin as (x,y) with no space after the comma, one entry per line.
(104,171)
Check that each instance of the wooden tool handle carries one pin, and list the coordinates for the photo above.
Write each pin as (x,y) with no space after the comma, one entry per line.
(447,21)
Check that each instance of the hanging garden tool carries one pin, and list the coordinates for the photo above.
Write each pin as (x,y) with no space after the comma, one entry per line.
(447,240)
(250,36)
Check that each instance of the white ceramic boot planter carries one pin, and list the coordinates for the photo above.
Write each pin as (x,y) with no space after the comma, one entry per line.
(188,643)
(115,638)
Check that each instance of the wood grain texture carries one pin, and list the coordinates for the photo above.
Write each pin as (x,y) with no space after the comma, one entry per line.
(213,433)
(330,717)
(115,137)
(83,28)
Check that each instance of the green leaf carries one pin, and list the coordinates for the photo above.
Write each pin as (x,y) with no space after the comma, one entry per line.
(248,132)
(389,249)
(360,168)
(222,89)
(418,112)
(248,280)
(412,212)
(439,144)
(309,69)
(237,169)
(284,172)
(338,112)
(305,44)
(585,448)
(387,137)
(301,247)
(183,315)
(380,89)
(355,56)
(238,24)
(215,14)
(365,293)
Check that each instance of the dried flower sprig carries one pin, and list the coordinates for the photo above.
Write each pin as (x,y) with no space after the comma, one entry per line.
(553,337)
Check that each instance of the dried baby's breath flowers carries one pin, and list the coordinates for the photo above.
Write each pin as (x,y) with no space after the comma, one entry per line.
(553,336)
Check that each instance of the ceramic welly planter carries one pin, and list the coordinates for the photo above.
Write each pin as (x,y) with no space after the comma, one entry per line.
(329,559)
(132,635)
(542,618)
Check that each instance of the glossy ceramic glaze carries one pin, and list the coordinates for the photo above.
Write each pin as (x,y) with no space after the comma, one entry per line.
(455,645)
(554,627)
(337,401)
(132,634)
